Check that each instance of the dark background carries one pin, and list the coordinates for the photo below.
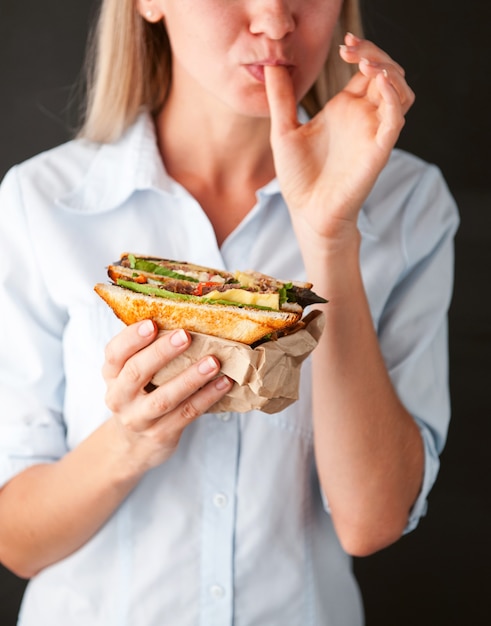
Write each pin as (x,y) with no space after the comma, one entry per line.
(439,574)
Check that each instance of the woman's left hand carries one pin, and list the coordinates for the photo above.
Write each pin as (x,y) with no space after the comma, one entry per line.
(327,167)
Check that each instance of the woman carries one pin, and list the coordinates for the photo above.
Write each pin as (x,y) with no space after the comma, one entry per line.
(128,507)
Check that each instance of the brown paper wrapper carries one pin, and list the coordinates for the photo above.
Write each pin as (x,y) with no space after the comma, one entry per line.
(267,377)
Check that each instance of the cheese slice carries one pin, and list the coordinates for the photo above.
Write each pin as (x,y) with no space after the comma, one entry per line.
(270,300)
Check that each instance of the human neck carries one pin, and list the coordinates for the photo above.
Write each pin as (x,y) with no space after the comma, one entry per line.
(221,158)
(214,144)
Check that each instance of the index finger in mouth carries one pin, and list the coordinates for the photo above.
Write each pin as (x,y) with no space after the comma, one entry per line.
(281,98)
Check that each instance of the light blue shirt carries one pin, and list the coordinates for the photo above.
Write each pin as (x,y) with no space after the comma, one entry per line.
(233,528)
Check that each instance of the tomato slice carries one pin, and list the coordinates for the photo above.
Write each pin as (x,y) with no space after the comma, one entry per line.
(199,287)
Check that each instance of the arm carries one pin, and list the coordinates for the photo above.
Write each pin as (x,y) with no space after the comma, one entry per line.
(50,510)
(369,450)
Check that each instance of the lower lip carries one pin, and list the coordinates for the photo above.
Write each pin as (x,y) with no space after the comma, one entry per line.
(256,71)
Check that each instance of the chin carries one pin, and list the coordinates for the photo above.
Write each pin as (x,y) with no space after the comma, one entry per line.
(255,105)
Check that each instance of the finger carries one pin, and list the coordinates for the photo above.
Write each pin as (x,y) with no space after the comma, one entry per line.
(405,93)
(183,398)
(168,396)
(126,343)
(139,409)
(140,366)
(391,116)
(200,402)
(168,429)
(281,99)
(354,49)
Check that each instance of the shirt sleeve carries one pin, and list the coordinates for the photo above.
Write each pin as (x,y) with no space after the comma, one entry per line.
(31,364)
(413,329)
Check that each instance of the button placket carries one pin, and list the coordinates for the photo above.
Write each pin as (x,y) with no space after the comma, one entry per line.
(219,475)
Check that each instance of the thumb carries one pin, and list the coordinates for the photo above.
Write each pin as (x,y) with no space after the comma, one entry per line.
(281,100)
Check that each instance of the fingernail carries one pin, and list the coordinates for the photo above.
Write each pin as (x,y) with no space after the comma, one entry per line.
(146,328)
(207,366)
(354,37)
(179,338)
(368,62)
(222,383)
(344,48)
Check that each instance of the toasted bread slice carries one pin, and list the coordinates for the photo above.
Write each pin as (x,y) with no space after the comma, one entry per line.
(244,324)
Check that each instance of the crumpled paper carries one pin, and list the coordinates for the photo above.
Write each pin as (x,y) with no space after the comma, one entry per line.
(267,377)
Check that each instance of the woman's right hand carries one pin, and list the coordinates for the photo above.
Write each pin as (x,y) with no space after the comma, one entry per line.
(150,423)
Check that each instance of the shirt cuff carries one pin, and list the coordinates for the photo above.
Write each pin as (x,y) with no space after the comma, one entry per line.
(22,446)
(431,468)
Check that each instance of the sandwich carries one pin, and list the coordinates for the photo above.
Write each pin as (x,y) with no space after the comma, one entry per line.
(244,306)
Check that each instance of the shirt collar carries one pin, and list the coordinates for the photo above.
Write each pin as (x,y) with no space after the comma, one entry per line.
(134,163)
(118,170)
(127,165)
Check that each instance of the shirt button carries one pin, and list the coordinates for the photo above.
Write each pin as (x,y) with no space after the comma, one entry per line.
(225,417)
(217,591)
(220,500)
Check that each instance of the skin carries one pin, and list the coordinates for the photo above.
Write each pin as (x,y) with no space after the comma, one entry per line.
(368,449)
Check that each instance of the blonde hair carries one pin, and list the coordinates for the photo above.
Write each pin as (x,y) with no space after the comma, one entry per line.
(129,67)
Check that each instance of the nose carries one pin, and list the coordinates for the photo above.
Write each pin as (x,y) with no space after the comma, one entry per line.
(273,18)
